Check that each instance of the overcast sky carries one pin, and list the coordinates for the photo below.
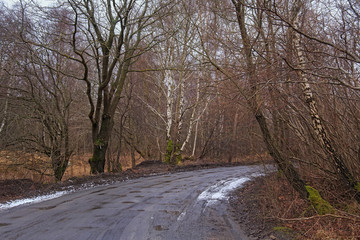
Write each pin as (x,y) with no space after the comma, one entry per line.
(42,2)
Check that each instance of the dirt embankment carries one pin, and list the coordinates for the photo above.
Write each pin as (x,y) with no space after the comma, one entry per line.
(268,206)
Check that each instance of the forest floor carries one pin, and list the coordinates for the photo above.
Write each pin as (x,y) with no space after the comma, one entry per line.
(265,207)
(269,206)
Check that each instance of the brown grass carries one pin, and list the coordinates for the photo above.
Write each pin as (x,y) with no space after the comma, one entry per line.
(37,167)
(279,202)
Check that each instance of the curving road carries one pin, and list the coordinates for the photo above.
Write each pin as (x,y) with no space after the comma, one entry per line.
(186,205)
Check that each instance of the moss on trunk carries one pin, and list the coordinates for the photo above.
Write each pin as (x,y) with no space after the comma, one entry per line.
(97,161)
(321,206)
(357,187)
(169,151)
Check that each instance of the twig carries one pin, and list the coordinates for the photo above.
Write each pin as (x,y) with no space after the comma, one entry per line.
(353,218)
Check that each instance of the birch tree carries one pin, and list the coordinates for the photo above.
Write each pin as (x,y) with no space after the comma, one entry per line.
(176,80)
(318,125)
(247,55)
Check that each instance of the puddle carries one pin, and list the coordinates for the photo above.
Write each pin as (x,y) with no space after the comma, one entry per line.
(96,207)
(118,195)
(47,208)
(139,196)
(84,228)
(175,213)
(62,220)
(135,191)
(128,202)
(98,191)
(160,228)
(4,224)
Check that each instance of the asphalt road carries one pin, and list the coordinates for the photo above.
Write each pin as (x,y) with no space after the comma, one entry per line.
(187,205)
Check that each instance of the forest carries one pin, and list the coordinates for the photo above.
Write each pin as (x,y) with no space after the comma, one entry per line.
(116,82)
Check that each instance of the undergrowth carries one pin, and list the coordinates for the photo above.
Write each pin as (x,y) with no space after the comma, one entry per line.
(336,218)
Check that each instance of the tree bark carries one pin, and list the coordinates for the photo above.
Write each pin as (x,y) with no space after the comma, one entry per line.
(283,163)
(317,124)
(100,145)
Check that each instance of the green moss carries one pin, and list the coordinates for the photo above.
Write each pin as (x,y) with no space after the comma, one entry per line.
(178,158)
(99,142)
(283,229)
(357,186)
(169,149)
(280,174)
(321,206)
(178,154)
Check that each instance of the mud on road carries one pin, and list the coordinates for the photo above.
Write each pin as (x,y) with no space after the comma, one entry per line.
(183,205)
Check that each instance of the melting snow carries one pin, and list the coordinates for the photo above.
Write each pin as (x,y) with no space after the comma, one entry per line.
(181,216)
(220,190)
(19,202)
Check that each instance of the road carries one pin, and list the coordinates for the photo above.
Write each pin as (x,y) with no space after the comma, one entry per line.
(180,206)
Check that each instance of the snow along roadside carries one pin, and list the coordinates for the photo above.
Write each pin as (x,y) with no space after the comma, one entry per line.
(32,200)
(221,190)
(42,198)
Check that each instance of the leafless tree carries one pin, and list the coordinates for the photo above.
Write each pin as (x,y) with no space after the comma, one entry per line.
(108,38)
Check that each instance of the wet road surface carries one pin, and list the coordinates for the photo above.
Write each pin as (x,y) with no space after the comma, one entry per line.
(177,206)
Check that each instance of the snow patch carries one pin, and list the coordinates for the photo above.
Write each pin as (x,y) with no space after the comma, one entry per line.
(254,175)
(181,216)
(221,190)
(19,202)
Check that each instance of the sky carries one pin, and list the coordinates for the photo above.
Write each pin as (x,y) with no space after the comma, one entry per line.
(9,3)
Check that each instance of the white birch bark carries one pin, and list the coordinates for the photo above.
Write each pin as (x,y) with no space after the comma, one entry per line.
(192,118)
(180,110)
(318,125)
(169,102)
(306,88)
(195,139)
(3,121)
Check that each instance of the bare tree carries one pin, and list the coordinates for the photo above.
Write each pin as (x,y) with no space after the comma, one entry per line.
(319,127)
(108,38)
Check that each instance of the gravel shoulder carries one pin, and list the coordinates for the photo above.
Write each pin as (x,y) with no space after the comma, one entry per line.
(249,213)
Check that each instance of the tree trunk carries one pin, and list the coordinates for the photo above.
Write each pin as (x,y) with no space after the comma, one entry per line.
(133,160)
(283,163)
(318,125)
(59,163)
(255,104)
(97,162)
(100,145)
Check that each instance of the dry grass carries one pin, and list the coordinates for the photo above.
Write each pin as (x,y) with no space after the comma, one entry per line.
(37,167)
(279,202)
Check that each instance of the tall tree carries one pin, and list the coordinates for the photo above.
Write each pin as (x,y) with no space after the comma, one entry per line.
(108,38)
(319,127)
